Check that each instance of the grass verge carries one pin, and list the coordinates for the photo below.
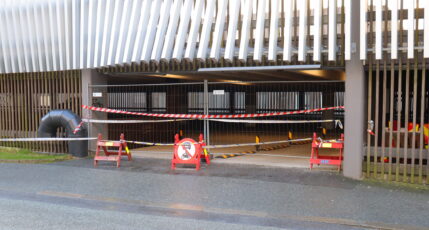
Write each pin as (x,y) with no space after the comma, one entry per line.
(397,185)
(16,155)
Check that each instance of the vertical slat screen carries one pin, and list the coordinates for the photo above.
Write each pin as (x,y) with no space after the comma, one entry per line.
(347,28)
(25,44)
(123,31)
(394,29)
(106,32)
(83,45)
(317,31)
(423,107)
(160,33)
(67,33)
(206,29)
(18,38)
(195,27)
(410,28)
(332,37)
(218,30)
(259,33)
(132,29)
(302,30)
(288,23)
(75,12)
(274,30)
(150,33)
(142,28)
(92,20)
(114,35)
(182,30)
(26,97)
(32,42)
(53,35)
(397,105)
(167,50)
(426,30)
(363,28)
(378,29)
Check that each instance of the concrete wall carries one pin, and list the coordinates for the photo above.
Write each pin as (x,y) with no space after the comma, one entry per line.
(92,77)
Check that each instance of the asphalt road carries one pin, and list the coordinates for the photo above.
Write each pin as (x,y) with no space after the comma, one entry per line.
(146,194)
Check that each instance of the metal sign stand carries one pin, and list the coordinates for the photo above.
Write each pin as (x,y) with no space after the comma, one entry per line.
(188,151)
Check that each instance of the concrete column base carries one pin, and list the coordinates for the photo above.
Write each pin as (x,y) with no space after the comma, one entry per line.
(92,77)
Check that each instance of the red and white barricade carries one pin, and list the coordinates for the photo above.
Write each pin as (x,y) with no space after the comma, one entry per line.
(318,159)
(110,155)
(188,151)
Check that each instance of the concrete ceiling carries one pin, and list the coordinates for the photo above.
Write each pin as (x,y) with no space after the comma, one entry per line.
(273,75)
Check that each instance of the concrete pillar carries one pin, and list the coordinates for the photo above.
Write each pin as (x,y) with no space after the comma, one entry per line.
(355,104)
(92,77)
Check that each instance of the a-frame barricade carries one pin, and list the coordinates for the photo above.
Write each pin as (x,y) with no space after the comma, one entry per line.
(110,155)
(318,159)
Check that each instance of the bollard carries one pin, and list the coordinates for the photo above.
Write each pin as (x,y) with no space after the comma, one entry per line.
(257,140)
(290,135)
(176,138)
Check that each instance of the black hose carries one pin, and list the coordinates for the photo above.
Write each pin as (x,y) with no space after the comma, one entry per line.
(68,120)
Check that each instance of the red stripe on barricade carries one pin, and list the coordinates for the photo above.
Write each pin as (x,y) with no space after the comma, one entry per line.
(201,116)
(78,127)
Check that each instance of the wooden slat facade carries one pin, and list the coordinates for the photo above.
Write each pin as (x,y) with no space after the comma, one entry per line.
(26,97)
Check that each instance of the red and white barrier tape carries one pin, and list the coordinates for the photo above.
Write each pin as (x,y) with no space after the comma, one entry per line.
(272,121)
(77,129)
(84,120)
(129,121)
(201,116)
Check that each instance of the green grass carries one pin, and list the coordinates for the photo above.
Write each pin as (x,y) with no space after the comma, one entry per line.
(24,155)
(396,185)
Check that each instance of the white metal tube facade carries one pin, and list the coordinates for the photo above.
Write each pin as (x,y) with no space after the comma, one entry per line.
(52,35)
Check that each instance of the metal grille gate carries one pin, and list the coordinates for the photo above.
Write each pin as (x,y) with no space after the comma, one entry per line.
(219,98)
